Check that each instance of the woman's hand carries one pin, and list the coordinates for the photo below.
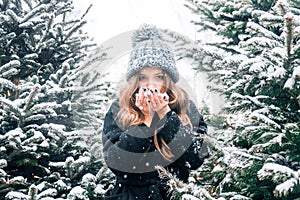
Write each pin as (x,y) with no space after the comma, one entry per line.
(151,100)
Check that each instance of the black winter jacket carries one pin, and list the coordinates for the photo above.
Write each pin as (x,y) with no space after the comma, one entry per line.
(132,156)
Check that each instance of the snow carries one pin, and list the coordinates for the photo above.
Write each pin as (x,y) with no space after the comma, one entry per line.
(57,164)
(57,127)
(18,179)
(47,193)
(10,72)
(10,64)
(275,140)
(16,196)
(189,197)
(275,168)
(41,186)
(218,168)
(16,133)
(296,71)
(99,190)
(279,72)
(3,163)
(61,185)
(8,84)
(45,144)
(33,12)
(11,105)
(291,81)
(78,193)
(88,179)
(239,197)
(37,136)
(13,16)
(83,159)
(284,188)
(263,118)
(2,173)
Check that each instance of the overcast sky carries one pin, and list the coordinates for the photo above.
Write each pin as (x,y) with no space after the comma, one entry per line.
(109,18)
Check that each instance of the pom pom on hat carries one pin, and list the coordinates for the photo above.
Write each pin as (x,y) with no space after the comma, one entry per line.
(146,32)
(150,50)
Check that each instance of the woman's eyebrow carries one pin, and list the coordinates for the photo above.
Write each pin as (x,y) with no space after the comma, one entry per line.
(159,73)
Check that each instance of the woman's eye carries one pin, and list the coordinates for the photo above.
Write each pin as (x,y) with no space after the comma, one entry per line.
(142,78)
(160,77)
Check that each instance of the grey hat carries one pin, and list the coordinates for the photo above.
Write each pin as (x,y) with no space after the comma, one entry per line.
(150,50)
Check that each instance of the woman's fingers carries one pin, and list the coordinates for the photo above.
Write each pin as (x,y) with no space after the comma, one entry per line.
(158,100)
(140,96)
(151,99)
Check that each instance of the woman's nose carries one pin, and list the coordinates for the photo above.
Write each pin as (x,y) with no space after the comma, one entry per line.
(150,83)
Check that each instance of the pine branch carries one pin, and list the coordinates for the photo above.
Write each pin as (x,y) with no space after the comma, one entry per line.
(10,106)
(32,13)
(289,25)
(29,99)
(11,64)
(73,30)
(13,16)
(292,178)
(86,12)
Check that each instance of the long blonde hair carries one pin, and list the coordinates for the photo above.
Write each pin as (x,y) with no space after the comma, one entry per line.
(130,114)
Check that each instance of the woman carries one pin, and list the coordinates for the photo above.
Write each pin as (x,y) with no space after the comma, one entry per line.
(152,123)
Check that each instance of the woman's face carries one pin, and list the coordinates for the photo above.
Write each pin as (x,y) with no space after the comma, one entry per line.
(151,78)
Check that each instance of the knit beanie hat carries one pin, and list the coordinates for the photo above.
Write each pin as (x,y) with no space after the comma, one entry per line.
(150,50)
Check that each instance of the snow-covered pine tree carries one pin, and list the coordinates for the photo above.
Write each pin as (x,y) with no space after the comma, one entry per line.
(256,59)
(42,152)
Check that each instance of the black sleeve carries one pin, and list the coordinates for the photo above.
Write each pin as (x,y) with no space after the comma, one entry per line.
(186,144)
(133,139)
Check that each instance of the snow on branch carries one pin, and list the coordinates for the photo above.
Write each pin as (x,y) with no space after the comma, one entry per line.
(236,84)
(254,100)
(263,118)
(292,178)
(78,193)
(10,106)
(33,12)
(16,196)
(11,64)
(49,106)
(185,190)
(37,137)
(55,131)
(275,140)
(74,29)
(10,72)
(13,16)
(286,187)
(237,158)
(271,168)
(281,7)
(32,94)
(51,192)
(3,163)
(16,134)
(4,83)
(291,81)
(253,27)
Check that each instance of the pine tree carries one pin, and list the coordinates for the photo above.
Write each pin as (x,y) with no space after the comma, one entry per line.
(44,146)
(255,59)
